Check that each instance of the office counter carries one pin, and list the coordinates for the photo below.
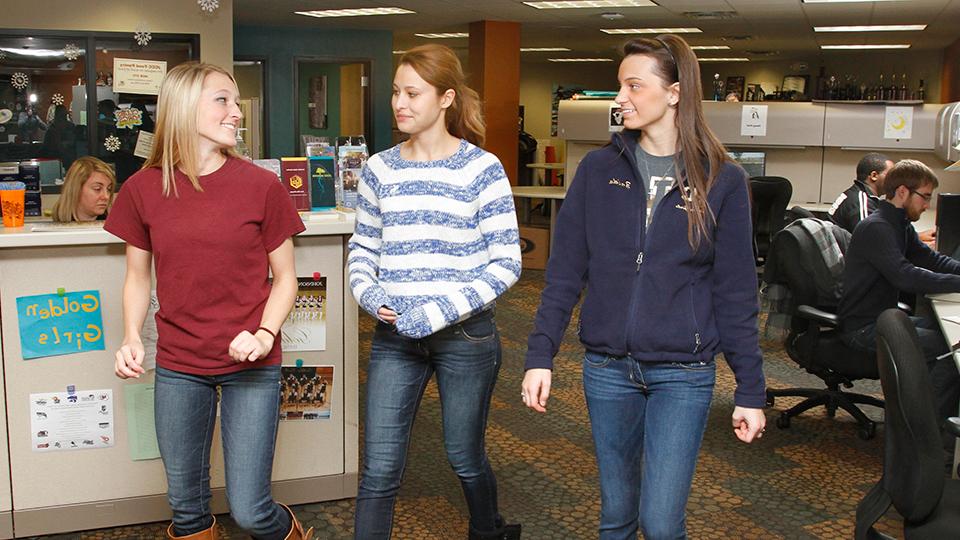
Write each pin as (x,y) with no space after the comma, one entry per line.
(66,490)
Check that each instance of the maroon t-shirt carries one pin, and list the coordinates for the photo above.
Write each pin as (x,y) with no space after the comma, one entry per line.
(210,253)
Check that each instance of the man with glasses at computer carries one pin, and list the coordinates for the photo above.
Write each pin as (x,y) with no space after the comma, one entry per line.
(885,258)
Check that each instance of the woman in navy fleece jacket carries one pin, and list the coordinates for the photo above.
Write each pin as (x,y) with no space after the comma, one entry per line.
(657,226)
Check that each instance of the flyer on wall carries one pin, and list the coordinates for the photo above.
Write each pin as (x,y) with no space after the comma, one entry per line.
(306,327)
(306,392)
(71,420)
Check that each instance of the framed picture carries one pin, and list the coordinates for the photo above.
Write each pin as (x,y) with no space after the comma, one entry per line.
(735,86)
(794,84)
(753,92)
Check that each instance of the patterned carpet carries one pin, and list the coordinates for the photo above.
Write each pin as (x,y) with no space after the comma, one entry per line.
(800,483)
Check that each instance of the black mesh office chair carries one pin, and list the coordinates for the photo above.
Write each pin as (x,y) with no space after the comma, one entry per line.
(770,195)
(797,262)
(913,478)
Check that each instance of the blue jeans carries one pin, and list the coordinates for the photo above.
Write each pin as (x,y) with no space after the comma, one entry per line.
(186,409)
(647,420)
(466,360)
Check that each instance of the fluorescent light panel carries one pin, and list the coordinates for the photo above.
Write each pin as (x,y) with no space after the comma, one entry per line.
(732,59)
(853,47)
(399,52)
(443,35)
(544,49)
(356,12)
(710,47)
(651,30)
(872,28)
(591,4)
(844,1)
(580,59)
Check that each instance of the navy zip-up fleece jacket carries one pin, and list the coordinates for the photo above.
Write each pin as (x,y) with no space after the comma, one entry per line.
(649,295)
(886,257)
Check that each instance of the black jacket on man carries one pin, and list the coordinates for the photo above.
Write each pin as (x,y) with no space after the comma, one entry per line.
(853,206)
(886,257)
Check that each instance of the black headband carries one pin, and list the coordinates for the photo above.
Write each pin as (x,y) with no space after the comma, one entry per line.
(672,57)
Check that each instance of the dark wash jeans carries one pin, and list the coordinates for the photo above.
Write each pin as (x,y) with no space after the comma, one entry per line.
(944,376)
(647,420)
(466,360)
(185,412)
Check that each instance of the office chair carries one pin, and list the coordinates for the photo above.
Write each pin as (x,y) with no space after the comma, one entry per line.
(770,196)
(913,477)
(797,261)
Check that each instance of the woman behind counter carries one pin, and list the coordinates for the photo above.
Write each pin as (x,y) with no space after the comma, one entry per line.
(213,224)
(87,191)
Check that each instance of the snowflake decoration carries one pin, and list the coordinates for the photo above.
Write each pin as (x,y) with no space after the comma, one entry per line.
(57,99)
(111,143)
(19,80)
(208,5)
(142,35)
(71,51)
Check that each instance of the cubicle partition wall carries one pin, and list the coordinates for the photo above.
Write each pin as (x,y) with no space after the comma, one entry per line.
(101,485)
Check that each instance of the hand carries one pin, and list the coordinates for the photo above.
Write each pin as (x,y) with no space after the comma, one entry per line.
(249,347)
(387,315)
(129,359)
(536,388)
(928,237)
(748,424)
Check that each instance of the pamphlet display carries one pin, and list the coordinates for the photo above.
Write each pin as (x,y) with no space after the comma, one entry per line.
(296,178)
(352,157)
(323,170)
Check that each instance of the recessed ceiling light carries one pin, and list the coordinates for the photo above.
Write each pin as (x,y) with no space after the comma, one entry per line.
(872,28)
(591,4)
(651,30)
(733,59)
(443,35)
(852,47)
(544,49)
(844,1)
(580,59)
(710,47)
(356,12)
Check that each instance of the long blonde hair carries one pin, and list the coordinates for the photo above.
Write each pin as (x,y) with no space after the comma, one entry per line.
(65,209)
(176,140)
(440,67)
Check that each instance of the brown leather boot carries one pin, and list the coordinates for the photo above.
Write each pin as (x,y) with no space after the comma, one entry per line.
(296,530)
(206,534)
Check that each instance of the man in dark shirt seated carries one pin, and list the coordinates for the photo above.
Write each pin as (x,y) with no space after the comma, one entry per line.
(886,257)
(860,199)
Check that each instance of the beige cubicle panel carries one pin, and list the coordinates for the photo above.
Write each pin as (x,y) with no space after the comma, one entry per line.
(861,126)
(788,124)
(6,503)
(84,489)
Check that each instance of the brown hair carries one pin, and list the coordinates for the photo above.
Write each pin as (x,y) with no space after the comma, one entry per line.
(699,151)
(910,174)
(440,67)
(176,140)
(65,209)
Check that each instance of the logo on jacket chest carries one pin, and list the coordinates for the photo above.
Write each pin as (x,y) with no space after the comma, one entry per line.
(625,184)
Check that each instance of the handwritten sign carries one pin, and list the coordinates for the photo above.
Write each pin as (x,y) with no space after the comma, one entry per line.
(133,76)
(753,120)
(51,324)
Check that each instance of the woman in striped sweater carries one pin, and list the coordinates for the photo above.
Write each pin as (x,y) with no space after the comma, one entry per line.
(436,243)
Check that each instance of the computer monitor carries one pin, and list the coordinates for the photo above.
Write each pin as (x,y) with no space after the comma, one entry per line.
(753,162)
(948,224)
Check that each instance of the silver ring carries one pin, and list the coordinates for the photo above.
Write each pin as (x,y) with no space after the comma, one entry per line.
(523,396)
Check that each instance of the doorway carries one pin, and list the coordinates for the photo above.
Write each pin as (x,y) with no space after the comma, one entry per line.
(332,97)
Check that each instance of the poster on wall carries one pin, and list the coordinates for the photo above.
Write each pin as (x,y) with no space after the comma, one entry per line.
(898,123)
(753,120)
(306,392)
(306,326)
(55,324)
(136,76)
(71,420)
(317,102)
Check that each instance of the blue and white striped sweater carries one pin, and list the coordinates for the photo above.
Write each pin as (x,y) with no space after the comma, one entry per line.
(436,241)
